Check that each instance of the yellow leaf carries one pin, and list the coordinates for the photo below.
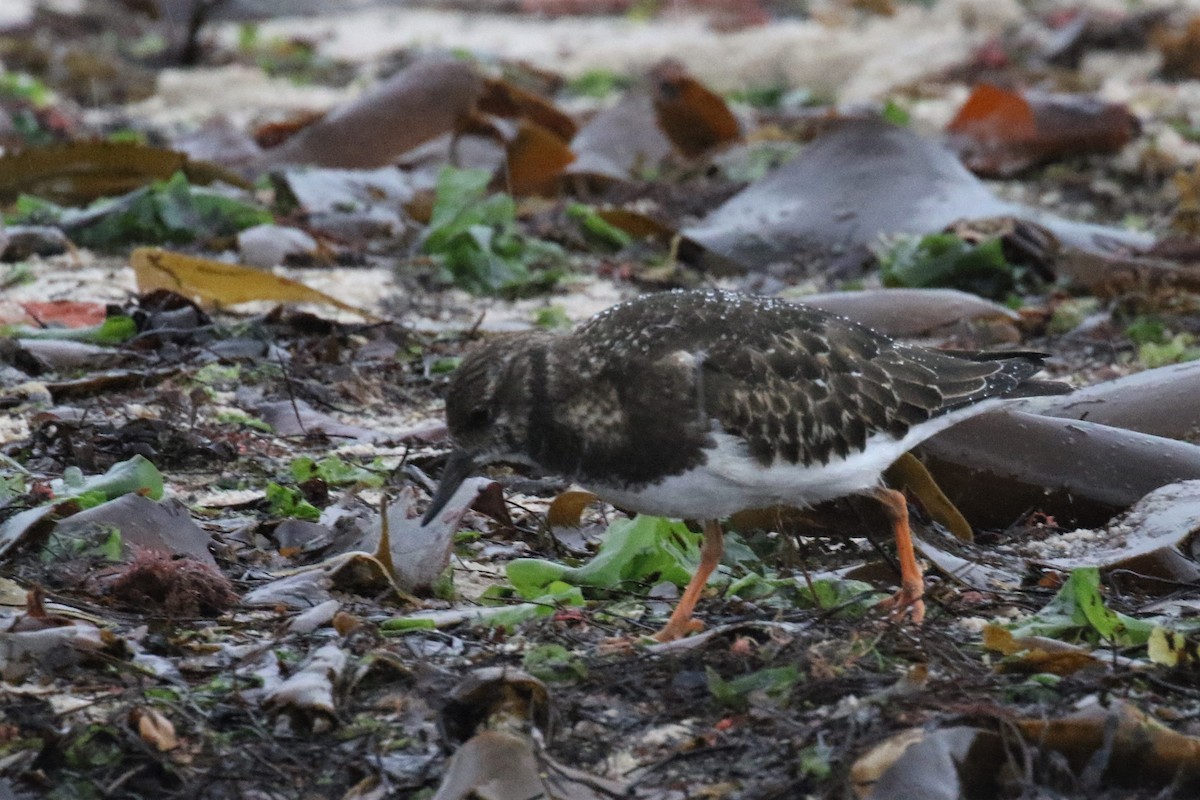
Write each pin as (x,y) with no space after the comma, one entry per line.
(80,172)
(567,509)
(210,282)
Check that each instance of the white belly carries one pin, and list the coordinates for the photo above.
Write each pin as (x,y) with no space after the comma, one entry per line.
(732,480)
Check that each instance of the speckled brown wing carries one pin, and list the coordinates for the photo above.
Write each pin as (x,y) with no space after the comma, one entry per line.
(819,389)
(798,384)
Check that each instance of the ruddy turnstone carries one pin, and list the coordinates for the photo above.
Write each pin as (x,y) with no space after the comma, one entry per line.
(699,404)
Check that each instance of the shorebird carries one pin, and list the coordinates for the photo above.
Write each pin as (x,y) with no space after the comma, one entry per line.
(700,404)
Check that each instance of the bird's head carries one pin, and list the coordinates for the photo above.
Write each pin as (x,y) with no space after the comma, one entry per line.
(487,407)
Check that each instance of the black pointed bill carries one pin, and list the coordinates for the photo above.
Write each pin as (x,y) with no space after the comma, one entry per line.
(458,468)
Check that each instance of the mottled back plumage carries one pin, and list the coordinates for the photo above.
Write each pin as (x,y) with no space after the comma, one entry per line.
(637,393)
(701,404)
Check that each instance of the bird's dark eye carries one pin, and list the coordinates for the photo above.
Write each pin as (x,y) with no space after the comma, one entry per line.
(480,417)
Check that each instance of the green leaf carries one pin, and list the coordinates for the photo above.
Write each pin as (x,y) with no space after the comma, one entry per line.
(816,761)
(1146,330)
(630,550)
(775,683)
(408,624)
(854,596)
(137,474)
(12,485)
(942,260)
(597,228)
(114,330)
(1178,349)
(1078,612)
(552,317)
(23,86)
(598,83)
(110,548)
(895,113)
(91,499)
(474,236)
(336,472)
(284,501)
(236,417)
(444,365)
(164,212)
(553,662)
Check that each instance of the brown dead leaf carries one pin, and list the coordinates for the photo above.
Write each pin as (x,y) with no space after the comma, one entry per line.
(36,618)
(999,132)
(307,696)
(273,134)
(1180,49)
(1031,655)
(418,554)
(942,764)
(32,523)
(24,651)
(858,180)
(911,312)
(1186,219)
(345,623)
(495,762)
(620,141)
(491,697)
(1109,275)
(80,172)
(209,283)
(154,728)
(504,99)
(422,102)
(499,765)
(1140,750)
(695,118)
(1149,541)
(300,419)
(636,224)
(164,527)
(535,160)
(997,466)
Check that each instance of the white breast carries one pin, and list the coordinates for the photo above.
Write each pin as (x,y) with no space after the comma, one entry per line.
(732,480)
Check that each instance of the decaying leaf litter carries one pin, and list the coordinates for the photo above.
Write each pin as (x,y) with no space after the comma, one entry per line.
(214,578)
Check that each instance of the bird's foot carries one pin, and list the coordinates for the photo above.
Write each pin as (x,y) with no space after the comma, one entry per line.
(670,632)
(678,629)
(908,602)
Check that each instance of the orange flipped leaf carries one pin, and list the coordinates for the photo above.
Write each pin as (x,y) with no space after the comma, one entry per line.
(695,118)
(216,283)
(273,134)
(999,132)
(636,224)
(504,99)
(993,111)
(536,160)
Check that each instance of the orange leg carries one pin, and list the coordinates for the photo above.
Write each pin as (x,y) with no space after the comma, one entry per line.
(681,623)
(912,583)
